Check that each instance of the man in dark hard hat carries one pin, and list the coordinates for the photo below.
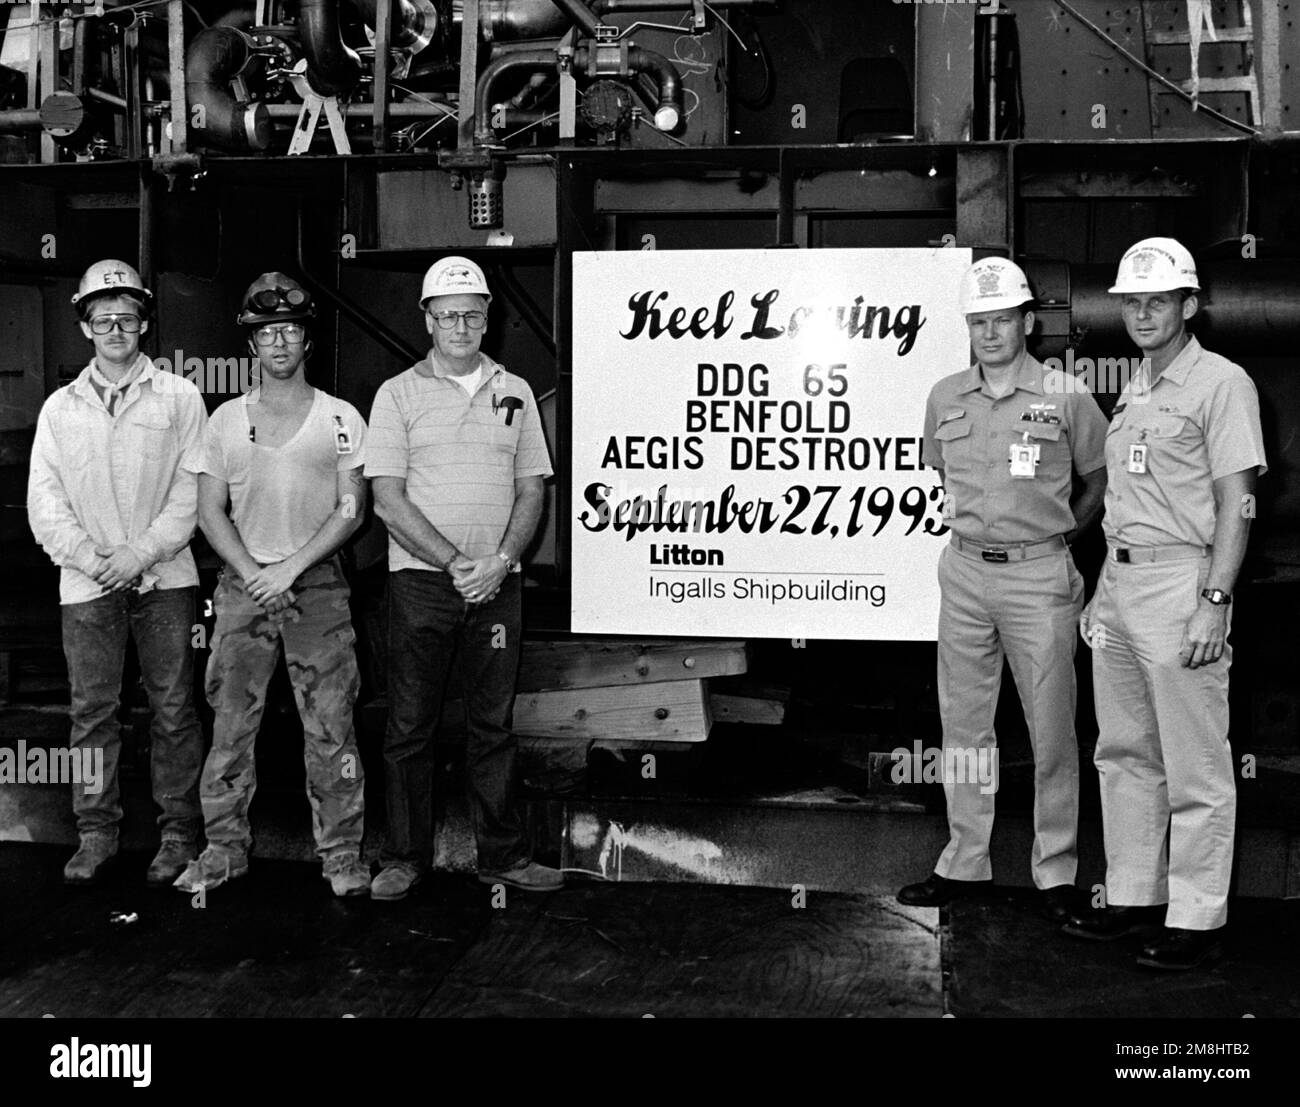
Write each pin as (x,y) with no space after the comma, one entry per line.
(286,459)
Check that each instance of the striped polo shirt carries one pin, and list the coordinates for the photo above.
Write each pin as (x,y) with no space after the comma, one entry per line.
(459,454)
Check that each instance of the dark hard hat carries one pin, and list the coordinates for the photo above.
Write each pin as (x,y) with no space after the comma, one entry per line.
(275,298)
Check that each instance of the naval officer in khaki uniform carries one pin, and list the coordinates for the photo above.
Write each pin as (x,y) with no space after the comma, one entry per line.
(1183,452)
(1008,437)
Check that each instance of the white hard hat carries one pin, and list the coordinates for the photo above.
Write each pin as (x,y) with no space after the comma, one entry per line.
(992,284)
(1156,265)
(453,276)
(110,276)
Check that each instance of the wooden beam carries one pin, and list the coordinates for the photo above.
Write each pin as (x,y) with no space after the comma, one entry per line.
(468,75)
(670,711)
(593,662)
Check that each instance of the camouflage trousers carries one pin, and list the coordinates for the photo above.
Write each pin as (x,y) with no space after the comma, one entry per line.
(319,646)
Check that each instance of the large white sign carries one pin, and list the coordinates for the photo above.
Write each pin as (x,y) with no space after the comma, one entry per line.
(747,440)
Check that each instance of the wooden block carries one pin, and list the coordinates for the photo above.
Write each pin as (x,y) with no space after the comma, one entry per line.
(600,662)
(672,711)
(746,709)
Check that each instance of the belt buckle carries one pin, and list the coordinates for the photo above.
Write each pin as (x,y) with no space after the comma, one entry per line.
(1122,557)
(993,555)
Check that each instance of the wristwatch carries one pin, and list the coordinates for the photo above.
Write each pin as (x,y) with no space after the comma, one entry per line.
(1216,596)
(510,565)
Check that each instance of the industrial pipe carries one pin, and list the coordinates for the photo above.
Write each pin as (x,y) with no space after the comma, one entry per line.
(20,119)
(333,67)
(517,19)
(580,14)
(411,26)
(602,61)
(215,57)
(606,7)
(1246,307)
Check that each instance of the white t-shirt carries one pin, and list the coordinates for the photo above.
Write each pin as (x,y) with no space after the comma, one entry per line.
(470,381)
(280,496)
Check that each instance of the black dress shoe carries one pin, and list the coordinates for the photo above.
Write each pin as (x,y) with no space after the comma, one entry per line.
(1060,903)
(1181,949)
(937,890)
(1108,923)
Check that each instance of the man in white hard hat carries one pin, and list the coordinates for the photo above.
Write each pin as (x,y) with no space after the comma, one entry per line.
(457,459)
(280,492)
(112,499)
(1183,452)
(1008,437)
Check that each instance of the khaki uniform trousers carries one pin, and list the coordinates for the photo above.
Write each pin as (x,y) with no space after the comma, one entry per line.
(1163,753)
(1028,612)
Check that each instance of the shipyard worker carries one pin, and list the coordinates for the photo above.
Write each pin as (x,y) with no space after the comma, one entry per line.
(457,457)
(286,460)
(112,499)
(1183,453)
(1008,437)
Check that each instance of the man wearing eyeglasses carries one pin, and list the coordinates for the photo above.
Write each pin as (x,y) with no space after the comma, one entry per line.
(286,459)
(112,499)
(457,456)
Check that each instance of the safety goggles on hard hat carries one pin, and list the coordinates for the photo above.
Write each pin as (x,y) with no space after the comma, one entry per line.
(103,324)
(269,299)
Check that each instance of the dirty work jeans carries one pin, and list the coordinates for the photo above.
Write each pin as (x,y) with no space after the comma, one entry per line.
(320,653)
(94,642)
(428,623)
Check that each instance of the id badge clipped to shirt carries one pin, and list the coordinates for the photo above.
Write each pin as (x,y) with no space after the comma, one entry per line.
(1024,460)
(1137,458)
(342,439)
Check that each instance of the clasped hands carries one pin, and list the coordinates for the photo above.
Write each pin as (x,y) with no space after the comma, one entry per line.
(270,585)
(118,569)
(477,579)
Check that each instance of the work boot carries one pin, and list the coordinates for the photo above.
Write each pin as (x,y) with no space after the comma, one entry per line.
(395,881)
(530,876)
(211,869)
(346,874)
(169,862)
(89,864)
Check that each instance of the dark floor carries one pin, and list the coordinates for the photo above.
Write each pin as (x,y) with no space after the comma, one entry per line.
(275,943)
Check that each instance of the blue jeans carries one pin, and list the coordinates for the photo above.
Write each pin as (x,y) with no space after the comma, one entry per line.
(428,622)
(94,642)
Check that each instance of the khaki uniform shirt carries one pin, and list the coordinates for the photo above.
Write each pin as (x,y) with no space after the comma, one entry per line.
(1199,422)
(969,434)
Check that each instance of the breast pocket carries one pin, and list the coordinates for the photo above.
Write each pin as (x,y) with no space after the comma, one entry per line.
(1050,438)
(153,427)
(1169,438)
(954,444)
(502,437)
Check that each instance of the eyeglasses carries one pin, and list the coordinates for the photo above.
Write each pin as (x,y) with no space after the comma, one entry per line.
(103,324)
(268,299)
(446,320)
(290,332)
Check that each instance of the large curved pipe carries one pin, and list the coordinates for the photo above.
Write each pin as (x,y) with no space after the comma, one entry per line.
(668,113)
(408,25)
(586,58)
(217,55)
(333,67)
